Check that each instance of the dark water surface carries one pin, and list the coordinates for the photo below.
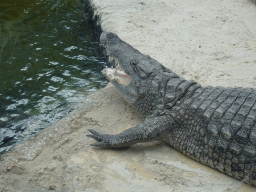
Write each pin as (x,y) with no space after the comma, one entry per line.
(50,59)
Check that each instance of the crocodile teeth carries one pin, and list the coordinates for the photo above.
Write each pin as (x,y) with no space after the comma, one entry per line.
(110,58)
(103,45)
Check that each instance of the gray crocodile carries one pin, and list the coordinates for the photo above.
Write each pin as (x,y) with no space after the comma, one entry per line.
(213,125)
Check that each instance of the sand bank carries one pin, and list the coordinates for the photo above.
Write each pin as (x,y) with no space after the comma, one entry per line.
(212,42)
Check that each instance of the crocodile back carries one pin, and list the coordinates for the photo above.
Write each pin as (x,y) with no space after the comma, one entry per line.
(217,127)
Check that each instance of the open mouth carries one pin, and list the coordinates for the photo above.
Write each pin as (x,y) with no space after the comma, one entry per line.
(116,72)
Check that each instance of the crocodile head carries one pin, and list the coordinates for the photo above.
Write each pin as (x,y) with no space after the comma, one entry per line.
(136,76)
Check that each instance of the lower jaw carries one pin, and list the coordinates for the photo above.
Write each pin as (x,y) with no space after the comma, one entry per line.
(117,74)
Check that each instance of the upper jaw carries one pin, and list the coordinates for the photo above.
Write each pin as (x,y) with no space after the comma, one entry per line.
(103,37)
(116,72)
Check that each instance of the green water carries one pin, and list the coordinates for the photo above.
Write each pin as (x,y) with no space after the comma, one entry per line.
(50,59)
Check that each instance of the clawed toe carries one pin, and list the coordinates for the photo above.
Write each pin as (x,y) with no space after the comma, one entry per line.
(95,135)
(92,131)
(104,140)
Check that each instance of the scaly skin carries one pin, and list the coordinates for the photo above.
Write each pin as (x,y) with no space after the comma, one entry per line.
(213,125)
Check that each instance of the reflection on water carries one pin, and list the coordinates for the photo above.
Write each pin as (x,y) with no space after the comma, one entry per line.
(50,60)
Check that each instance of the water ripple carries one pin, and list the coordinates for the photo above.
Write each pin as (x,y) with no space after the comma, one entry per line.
(50,61)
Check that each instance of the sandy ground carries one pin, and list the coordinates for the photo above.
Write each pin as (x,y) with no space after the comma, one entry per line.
(213,42)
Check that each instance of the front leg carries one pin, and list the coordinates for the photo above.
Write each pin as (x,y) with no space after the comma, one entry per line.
(151,129)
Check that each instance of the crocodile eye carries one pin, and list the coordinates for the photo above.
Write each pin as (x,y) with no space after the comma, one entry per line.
(138,70)
(134,67)
(134,62)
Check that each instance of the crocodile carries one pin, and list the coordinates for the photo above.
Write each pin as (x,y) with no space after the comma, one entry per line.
(215,126)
